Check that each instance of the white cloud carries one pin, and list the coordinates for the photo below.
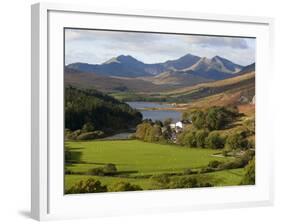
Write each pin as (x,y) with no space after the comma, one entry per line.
(214,41)
(95,46)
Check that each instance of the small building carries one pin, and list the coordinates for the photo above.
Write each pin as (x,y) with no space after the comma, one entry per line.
(179,124)
(172,126)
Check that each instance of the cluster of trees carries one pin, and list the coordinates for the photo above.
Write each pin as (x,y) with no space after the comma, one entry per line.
(166,181)
(91,110)
(157,131)
(239,162)
(214,118)
(201,139)
(92,185)
(207,129)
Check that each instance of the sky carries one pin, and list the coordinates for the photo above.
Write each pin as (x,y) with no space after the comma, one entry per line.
(97,46)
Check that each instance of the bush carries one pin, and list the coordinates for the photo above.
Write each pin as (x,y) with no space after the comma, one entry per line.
(97,171)
(189,139)
(239,162)
(215,141)
(214,164)
(88,127)
(188,182)
(250,176)
(199,119)
(124,186)
(72,135)
(108,169)
(89,186)
(236,141)
(90,135)
(132,136)
(167,122)
(184,182)
(189,172)
(225,153)
(161,180)
(200,137)
(207,170)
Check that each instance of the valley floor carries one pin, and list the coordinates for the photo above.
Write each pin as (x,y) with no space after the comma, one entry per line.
(137,161)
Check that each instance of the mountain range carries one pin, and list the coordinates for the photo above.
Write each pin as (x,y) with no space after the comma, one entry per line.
(125,73)
(215,68)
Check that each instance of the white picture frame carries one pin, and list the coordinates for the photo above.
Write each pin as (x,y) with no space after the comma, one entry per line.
(48,201)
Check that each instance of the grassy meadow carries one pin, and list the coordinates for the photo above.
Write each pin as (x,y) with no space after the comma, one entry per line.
(137,161)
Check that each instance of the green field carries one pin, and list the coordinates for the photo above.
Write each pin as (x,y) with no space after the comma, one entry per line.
(136,161)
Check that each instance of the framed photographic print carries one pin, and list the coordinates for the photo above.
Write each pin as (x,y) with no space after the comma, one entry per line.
(148,111)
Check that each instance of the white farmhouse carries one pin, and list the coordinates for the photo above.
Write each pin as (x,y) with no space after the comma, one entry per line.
(172,126)
(179,124)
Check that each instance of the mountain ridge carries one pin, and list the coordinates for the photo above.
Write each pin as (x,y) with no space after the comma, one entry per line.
(215,68)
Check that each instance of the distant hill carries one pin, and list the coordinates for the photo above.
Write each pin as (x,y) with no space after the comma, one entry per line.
(235,90)
(177,78)
(216,68)
(103,112)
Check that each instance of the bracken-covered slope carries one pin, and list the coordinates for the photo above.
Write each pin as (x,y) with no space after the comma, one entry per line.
(237,90)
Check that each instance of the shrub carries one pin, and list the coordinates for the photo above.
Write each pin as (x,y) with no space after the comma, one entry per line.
(132,136)
(167,122)
(188,182)
(190,139)
(199,119)
(239,162)
(207,170)
(250,124)
(250,176)
(201,136)
(189,171)
(142,130)
(97,171)
(161,180)
(184,182)
(251,143)
(88,127)
(215,141)
(90,135)
(225,153)
(236,141)
(72,135)
(124,186)
(89,186)
(109,169)
(214,164)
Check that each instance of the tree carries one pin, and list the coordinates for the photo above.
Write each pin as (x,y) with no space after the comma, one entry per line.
(201,136)
(218,117)
(167,133)
(124,186)
(214,164)
(250,176)
(142,130)
(156,133)
(87,127)
(199,119)
(236,141)
(89,186)
(109,169)
(167,122)
(215,141)
(190,139)
(88,110)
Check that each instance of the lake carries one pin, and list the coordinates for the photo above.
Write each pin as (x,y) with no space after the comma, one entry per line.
(146,108)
